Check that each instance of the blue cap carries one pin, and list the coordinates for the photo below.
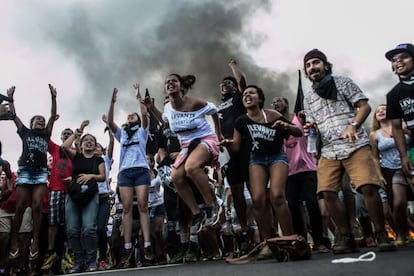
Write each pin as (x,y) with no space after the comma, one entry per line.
(401,48)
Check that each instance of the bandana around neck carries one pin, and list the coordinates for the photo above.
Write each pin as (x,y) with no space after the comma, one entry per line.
(326,88)
(131,129)
(409,81)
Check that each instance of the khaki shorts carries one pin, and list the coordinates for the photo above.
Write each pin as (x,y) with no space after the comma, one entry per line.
(6,221)
(359,166)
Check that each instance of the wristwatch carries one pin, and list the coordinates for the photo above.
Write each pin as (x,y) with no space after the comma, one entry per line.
(355,124)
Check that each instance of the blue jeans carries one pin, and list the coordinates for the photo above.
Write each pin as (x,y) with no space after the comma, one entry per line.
(82,219)
(103,216)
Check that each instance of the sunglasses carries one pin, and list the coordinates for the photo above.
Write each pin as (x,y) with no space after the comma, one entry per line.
(400,56)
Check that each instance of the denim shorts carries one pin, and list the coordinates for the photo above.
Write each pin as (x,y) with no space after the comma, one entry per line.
(133,177)
(31,176)
(156,211)
(267,160)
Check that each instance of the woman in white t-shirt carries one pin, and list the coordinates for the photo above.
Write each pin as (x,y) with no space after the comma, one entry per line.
(186,116)
(134,175)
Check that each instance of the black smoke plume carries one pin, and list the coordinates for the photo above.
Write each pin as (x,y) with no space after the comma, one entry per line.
(120,43)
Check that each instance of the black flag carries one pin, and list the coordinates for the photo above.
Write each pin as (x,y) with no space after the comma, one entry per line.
(299,96)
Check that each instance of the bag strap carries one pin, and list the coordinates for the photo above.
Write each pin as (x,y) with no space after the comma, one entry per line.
(249,257)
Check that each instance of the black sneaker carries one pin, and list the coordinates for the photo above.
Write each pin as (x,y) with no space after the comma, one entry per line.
(245,244)
(178,258)
(383,243)
(149,254)
(193,252)
(126,256)
(197,222)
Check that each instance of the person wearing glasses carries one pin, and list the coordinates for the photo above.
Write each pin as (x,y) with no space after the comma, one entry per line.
(400,107)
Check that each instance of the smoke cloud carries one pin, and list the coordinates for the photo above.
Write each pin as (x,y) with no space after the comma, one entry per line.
(120,43)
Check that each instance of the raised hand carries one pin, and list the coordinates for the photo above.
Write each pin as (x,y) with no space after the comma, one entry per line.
(84,124)
(105,118)
(137,92)
(10,92)
(114,94)
(52,90)
(232,62)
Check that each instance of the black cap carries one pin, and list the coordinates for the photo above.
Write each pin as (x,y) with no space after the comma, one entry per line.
(401,48)
(315,53)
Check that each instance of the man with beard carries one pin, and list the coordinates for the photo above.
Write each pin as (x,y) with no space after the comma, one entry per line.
(302,182)
(237,168)
(338,107)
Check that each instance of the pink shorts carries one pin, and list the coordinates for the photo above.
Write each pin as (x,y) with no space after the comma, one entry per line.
(210,142)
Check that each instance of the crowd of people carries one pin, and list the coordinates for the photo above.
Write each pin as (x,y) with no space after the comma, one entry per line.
(199,181)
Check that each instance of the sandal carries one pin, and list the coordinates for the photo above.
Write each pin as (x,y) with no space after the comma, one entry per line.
(14,255)
(33,255)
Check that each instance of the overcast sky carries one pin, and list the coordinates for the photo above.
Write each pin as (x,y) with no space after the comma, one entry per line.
(86,48)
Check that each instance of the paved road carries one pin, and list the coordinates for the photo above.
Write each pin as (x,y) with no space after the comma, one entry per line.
(400,262)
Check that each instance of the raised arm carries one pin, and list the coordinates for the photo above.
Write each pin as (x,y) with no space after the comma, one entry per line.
(16,119)
(53,112)
(150,104)
(110,149)
(67,144)
(238,75)
(112,125)
(141,106)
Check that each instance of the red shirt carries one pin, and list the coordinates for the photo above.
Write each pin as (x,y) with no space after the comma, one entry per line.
(9,205)
(61,168)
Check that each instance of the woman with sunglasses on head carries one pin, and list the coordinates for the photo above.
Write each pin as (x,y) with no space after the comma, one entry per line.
(33,173)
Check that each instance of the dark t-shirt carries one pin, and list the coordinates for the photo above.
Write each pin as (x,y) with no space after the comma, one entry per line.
(228,112)
(262,138)
(81,164)
(35,143)
(152,142)
(170,141)
(400,105)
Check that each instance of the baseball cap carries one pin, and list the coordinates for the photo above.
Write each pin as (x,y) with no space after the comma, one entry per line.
(400,48)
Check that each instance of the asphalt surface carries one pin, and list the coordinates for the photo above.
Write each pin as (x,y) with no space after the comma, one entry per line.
(400,262)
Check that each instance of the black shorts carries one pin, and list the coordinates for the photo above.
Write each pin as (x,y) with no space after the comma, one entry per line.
(237,169)
(174,205)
